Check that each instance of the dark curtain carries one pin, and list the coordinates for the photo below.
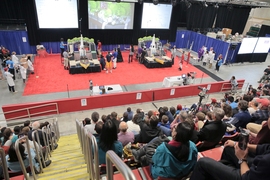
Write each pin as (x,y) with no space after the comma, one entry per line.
(11,10)
(200,17)
(234,18)
(264,31)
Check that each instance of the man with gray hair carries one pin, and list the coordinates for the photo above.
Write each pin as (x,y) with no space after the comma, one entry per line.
(212,131)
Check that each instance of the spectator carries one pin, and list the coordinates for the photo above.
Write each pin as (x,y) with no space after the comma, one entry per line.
(27,123)
(262,113)
(231,102)
(262,137)
(253,106)
(169,114)
(149,130)
(179,118)
(213,131)
(133,125)
(242,118)
(98,129)
(125,137)
(115,120)
(164,122)
(130,113)
(173,111)
(176,158)
(86,121)
(108,141)
(207,168)
(91,126)
(228,112)
(125,117)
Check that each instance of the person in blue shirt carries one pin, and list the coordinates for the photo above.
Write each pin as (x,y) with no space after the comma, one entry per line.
(219,62)
(115,53)
(10,65)
(231,102)
(62,46)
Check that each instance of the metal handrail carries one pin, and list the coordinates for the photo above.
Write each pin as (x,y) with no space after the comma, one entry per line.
(29,108)
(46,138)
(51,141)
(4,164)
(78,127)
(228,83)
(34,136)
(29,157)
(92,156)
(113,158)
(56,128)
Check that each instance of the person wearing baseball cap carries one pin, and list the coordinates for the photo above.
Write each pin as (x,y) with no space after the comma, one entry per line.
(10,80)
(262,113)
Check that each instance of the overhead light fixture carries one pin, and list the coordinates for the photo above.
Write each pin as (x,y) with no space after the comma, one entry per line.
(140,1)
(205,4)
(216,6)
(155,2)
(173,2)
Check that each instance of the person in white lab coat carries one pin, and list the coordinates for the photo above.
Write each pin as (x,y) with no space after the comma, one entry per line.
(23,72)
(10,80)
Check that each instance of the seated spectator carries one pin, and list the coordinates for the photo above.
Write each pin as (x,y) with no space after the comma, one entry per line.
(179,118)
(130,113)
(91,127)
(262,137)
(125,117)
(148,115)
(239,168)
(108,141)
(149,130)
(200,116)
(98,129)
(228,112)
(168,113)
(253,106)
(13,161)
(231,102)
(27,123)
(178,109)
(262,113)
(242,118)
(115,120)
(17,130)
(103,118)
(140,113)
(9,137)
(164,122)
(173,111)
(125,137)
(213,131)
(133,125)
(176,158)
(86,121)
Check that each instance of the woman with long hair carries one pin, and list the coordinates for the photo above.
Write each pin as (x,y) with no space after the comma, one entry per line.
(177,158)
(133,125)
(108,141)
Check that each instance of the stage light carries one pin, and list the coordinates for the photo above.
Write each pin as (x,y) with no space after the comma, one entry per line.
(173,2)
(205,4)
(188,4)
(216,6)
(155,2)
(140,1)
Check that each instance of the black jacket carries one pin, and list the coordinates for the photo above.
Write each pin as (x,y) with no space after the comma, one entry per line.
(147,133)
(212,131)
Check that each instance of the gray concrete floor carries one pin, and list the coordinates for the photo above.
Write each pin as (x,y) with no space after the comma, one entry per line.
(251,72)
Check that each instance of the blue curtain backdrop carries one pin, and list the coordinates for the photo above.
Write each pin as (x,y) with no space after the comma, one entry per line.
(13,41)
(182,38)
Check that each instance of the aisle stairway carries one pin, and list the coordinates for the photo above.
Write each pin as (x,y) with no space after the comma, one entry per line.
(67,161)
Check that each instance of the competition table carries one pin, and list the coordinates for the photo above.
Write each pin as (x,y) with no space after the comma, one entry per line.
(170,81)
(115,88)
(75,67)
(158,62)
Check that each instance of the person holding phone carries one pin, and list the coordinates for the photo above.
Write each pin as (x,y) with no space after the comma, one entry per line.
(241,166)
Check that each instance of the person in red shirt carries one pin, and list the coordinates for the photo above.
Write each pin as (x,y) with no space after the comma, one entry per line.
(99,47)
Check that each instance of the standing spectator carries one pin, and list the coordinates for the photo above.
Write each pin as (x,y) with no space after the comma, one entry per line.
(30,65)
(99,48)
(115,58)
(234,84)
(219,62)
(109,62)
(200,53)
(131,53)
(66,56)
(10,66)
(124,136)
(10,81)
(23,72)
(62,46)
(173,54)
(211,59)
(205,58)
(102,62)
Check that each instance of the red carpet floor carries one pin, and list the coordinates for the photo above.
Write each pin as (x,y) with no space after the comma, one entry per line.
(51,77)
